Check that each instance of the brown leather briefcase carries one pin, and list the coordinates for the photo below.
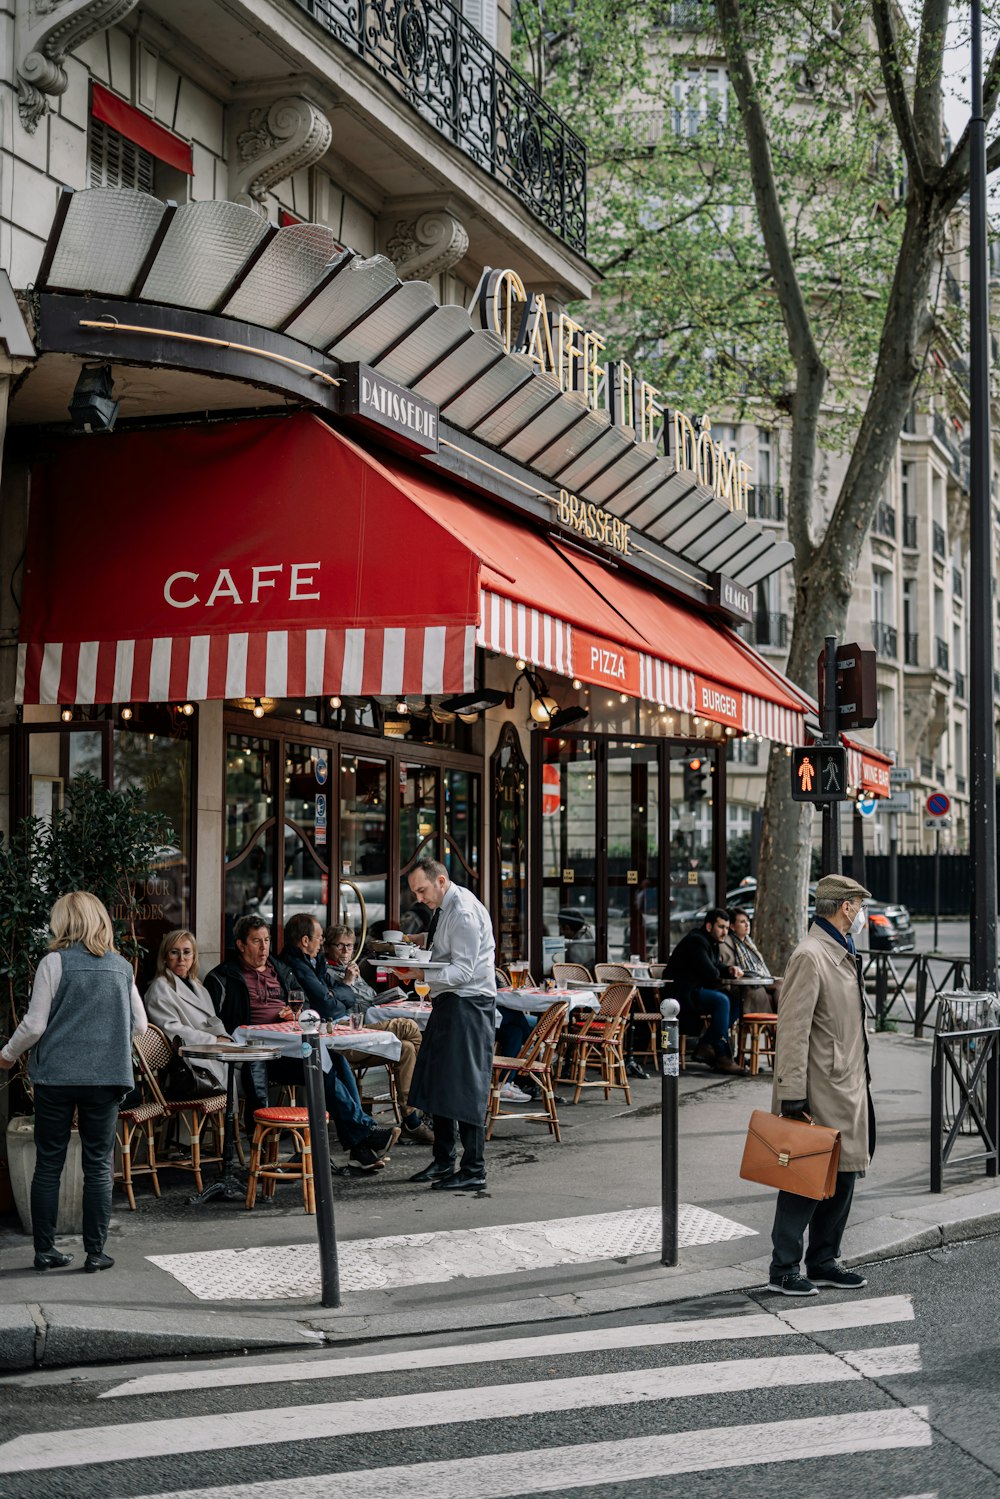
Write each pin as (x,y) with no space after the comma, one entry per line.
(793,1155)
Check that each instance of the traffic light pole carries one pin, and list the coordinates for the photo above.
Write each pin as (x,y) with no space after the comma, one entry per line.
(831,810)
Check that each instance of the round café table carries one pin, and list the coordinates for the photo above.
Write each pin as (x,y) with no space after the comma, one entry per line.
(227,1185)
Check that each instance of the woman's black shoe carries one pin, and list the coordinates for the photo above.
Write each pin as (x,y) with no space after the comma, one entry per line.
(97,1262)
(51,1259)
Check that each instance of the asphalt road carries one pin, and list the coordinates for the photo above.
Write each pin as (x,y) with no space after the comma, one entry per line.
(885,1393)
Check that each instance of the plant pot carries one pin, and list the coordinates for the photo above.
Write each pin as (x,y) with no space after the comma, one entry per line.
(21,1162)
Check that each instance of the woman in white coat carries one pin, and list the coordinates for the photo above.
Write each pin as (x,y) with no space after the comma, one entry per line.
(181,1005)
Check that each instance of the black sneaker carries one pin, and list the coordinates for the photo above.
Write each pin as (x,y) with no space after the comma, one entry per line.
(382,1140)
(366,1158)
(792,1285)
(837,1278)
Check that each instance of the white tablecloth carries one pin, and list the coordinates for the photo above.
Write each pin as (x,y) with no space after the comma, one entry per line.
(286,1037)
(536,1001)
(399,1010)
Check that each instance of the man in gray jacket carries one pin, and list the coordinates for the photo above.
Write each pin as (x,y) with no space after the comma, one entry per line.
(821,1072)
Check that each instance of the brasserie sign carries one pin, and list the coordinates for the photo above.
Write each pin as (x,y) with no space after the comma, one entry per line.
(573,356)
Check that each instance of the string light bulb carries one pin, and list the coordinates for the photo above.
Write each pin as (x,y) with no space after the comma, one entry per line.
(335,702)
(66,713)
(258,708)
(520,663)
(402,706)
(127,712)
(187,709)
(623,697)
(577,684)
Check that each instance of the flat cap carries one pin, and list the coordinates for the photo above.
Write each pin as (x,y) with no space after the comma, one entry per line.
(841,887)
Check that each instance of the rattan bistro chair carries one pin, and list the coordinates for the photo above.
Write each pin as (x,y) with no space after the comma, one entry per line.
(598,1041)
(138,1121)
(564,973)
(612,973)
(153,1051)
(533,1060)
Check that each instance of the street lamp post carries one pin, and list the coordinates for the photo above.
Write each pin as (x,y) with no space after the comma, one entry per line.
(982,750)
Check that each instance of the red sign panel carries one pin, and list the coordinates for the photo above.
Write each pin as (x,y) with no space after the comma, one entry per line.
(720,704)
(605,663)
(875,776)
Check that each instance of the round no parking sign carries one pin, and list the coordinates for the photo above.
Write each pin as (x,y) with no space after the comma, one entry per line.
(938,805)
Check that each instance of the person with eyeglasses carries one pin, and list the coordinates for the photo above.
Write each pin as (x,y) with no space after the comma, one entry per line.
(348,990)
(821,1073)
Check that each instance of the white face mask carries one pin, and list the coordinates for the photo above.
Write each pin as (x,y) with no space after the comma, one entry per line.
(858,924)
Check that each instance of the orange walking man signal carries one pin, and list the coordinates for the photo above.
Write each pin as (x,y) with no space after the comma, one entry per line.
(819,773)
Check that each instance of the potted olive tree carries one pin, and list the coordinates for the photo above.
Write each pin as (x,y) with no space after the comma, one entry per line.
(102,841)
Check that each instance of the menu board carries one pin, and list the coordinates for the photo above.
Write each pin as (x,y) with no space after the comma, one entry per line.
(509,771)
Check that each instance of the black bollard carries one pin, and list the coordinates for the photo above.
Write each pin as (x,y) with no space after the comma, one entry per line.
(670,1051)
(326,1229)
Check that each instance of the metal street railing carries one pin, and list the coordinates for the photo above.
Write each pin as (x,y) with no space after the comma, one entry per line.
(965,1083)
(904,988)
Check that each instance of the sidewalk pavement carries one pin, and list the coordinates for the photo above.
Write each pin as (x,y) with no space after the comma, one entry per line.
(608,1163)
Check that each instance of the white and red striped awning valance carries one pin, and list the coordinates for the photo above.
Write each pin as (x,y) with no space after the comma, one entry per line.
(552,644)
(278,663)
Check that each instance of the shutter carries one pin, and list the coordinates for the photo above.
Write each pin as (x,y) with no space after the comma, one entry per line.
(483,15)
(116,162)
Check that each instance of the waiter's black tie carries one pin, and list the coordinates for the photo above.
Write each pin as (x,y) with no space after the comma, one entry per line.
(433,926)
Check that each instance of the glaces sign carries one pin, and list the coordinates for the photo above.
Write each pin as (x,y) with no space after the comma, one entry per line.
(572,355)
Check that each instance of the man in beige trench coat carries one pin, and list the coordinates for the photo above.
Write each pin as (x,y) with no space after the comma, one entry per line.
(821,1069)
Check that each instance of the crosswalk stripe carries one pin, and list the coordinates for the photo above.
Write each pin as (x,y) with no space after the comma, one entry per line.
(298,1423)
(561,1469)
(783,1321)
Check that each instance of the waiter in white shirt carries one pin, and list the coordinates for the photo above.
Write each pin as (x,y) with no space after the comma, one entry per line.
(451,1081)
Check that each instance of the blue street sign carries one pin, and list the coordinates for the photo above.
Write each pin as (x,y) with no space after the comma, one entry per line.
(867,805)
(322,770)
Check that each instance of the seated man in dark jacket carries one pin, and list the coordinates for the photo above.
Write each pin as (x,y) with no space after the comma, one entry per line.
(249,987)
(697,973)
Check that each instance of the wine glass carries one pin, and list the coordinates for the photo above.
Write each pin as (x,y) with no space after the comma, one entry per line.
(421,989)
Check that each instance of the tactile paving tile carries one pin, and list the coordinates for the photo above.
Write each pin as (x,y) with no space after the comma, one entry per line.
(292,1272)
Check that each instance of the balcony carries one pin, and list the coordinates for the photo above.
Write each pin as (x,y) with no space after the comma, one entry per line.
(939,542)
(957,583)
(960,785)
(766,502)
(940,653)
(885,639)
(911,652)
(884,523)
(768,630)
(957,461)
(926,768)
(960,685)
(909,531)
(459,84)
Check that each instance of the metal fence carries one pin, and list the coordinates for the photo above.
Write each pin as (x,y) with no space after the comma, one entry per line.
(965,1084)
(905,988)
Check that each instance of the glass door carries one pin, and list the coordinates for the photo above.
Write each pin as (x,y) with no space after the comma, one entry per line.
(692,868)
(569,836)
(633,845)
(306,843)
(364,843)
(250,829)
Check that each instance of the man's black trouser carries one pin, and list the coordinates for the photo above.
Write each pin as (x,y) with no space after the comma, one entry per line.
(473,1138)
(825,1220)
(97,1116)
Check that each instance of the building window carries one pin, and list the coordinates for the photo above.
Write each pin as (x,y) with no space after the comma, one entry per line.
(117,162)
(885,728)
(701,101)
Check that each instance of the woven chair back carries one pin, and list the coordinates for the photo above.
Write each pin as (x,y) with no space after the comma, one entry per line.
(564,972)
(542,1041)
(609,973)
(152,1051)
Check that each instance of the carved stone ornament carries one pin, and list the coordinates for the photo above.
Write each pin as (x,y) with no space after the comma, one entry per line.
(434,242)
(271,141)
(44,31)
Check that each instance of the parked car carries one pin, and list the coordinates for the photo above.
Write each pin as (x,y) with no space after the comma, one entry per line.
(889,927)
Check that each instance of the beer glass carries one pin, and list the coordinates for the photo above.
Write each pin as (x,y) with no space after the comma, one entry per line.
(518,975)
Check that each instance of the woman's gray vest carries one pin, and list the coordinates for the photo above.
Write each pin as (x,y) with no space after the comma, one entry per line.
(88,1040)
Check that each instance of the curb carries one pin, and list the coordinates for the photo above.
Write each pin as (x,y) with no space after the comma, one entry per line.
(51,1335)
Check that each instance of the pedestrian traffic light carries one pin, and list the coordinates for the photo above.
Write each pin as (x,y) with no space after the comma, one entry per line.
(819,773)
(695,778)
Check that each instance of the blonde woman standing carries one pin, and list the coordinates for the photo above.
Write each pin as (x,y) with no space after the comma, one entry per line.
(79,1025)
(180,1004)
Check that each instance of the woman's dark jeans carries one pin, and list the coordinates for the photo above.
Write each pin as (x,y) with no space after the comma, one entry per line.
(97,1109)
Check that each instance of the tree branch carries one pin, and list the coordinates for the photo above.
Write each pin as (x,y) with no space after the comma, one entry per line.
(809,368)
(955,177)
(927,85)
(884,15)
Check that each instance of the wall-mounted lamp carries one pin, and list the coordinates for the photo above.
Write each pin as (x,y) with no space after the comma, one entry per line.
(473,703)
(66,713)
(93,407)
(187,709)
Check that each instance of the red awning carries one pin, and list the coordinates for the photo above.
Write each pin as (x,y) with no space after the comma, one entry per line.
(138,128)
(258,558)
(275,558)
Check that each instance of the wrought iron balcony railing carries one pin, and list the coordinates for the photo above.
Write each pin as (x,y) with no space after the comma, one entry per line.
(939,542)
(940,653)
(766,502)
(960,685)
(884,523)
(911,650)
(909,530)
(440,64)
(957,583)
(768,629)
(885,639)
